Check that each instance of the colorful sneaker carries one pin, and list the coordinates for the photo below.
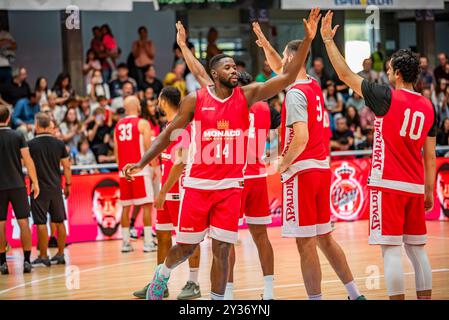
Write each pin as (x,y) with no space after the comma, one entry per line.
(359,298)
(133,234)
(27,267)
(190,291)
(4,268)
(157,286)
(127,247)
(142,294)
(150,247)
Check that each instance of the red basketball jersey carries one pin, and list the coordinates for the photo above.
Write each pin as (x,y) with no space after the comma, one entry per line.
(169,156)
(260,123)
(327,132)
(314,156)
(130,143)
(217,153)
(399,137)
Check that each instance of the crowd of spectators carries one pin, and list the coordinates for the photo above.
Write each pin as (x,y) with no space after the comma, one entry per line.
(85,121)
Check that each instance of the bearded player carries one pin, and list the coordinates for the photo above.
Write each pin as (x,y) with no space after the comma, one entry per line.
(214,173)
(255,206)
(401,187)
(306,175)
(131,139)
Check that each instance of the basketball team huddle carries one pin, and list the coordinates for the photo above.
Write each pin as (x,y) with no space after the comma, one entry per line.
(214,170)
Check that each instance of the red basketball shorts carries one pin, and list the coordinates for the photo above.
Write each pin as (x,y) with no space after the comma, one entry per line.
(167,218)
(306,206)
(255,207)
(216,210)
(136,192)
(396,218)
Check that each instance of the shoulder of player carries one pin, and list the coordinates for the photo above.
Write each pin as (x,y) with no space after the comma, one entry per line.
(295,94)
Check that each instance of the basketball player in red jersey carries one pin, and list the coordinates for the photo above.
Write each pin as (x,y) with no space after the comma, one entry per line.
(214,173)
(168,200)
(401,187)
(255,204)
(132,138)
(305,171)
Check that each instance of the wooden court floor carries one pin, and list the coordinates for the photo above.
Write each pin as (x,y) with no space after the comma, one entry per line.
(98,270)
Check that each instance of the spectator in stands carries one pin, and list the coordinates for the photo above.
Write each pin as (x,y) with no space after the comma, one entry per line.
(366,118)
(63,88)
(97,87)
(439,72)
(333,100)
(8,48)
(367,144)
(149,112)
(356,101)
(318,73)
(143,52)
(117,105)
(42,87)
(115,86)
(71,129)
(150,80)
(99,136)
(383,76)
(266,73)
(96,44)
(176,79)
(443,133)
(17,88)
(111,49)
(57,110)
(440,93)
(353,122)
(342,138)
(212,48)
(92,64)
(367,73)
(425,77)
(84,112)
(23,115)
(378,58)
(85,157)
(46,109)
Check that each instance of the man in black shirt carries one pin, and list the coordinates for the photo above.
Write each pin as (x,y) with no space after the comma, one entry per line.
(17,88)
(13,190)
(48,154)
(150,80)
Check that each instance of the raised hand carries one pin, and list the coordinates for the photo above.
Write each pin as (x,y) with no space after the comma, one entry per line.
(261,39)
(311,24)
(327,33)
(181,36)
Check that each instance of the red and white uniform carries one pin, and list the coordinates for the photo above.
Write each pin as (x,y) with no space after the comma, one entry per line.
(255,206)
(167,218)
(130,150)
(306,183)
(397,173)
(214,173)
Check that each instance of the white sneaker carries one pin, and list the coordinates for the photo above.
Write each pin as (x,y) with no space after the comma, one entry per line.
(127,247)
(150,247)
(133,233)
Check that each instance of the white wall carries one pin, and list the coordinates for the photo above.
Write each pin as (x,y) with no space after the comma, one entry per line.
(39,45)
(124,25)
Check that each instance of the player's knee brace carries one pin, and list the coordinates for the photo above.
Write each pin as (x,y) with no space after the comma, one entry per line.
(421,265)
(394,273)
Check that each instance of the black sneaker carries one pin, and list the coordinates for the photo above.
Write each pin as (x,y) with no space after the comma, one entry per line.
(52,243)
(27,267)
(4,269)
(42,262)
(58,259)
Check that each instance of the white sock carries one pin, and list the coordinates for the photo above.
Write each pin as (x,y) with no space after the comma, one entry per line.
(268,293)
(193,275)
(125,235)
(215,296)
(316,297)
(147,238)
(353,290)
(229,294)
(165,271)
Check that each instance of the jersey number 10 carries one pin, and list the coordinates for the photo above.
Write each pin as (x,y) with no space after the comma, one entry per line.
(416,127)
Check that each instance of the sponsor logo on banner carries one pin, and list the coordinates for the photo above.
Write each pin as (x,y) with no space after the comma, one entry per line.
(346,194)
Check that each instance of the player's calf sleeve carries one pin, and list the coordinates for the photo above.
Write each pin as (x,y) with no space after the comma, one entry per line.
(394,272)
(421,265)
